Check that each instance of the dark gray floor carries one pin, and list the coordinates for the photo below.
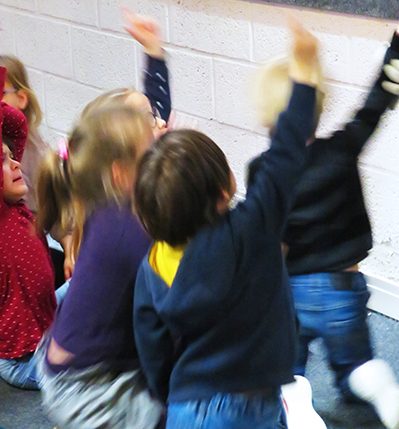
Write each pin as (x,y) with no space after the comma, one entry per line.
(336,414)
(21,409)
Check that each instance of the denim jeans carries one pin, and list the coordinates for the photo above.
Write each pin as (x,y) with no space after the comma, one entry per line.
(21,372)
(332,306)
(227,411)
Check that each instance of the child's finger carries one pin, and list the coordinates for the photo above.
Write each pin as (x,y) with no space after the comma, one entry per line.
(295,26)
(392,88)
(392,71)
(127,14)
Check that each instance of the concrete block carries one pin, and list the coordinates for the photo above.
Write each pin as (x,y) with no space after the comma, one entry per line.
(103,60)
(20,4)
(232,94)
(191,82)
(80,11)
(381,190)
(111,15)
(335,56)
(64,100)
(366,58)
(340,104)
(221,28)
(7,24)
(382,150)
(44,44)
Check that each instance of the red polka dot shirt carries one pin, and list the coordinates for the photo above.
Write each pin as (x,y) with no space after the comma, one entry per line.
(27,299)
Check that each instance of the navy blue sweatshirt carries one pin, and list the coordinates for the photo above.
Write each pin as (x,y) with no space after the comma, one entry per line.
(328,228)
(156,86)
(227,322)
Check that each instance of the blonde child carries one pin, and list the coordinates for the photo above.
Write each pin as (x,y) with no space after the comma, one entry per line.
(327,237)
(214,322)
(18,94)
(89,365)
(327,234)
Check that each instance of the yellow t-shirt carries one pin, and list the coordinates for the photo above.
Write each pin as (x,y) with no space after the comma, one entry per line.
(165,260)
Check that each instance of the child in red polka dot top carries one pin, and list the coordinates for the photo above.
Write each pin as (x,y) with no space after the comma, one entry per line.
(27,299)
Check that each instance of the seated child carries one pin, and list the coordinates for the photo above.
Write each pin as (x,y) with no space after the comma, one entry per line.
(213,316)
(18,94)
(328,233)
(28,301)
(89,364)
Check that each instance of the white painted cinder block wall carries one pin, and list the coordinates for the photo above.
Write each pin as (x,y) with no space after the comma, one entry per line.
(75,49)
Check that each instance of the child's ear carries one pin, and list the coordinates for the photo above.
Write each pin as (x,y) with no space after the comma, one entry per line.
(117,174)
(22,99)
(122,176)
(222,204)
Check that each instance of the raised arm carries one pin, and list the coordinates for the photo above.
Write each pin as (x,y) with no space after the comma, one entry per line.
(156,77)
(274,173)
(15,130)
(357,132)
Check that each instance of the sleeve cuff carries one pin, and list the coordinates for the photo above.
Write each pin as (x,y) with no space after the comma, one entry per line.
(395,41)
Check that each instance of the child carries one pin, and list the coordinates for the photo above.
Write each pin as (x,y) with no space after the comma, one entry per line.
(214,322)
(26,275)
(89,363)
(18,94)
(327,235)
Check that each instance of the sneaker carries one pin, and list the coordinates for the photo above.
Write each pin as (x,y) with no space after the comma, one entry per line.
(375,382)
(297,402)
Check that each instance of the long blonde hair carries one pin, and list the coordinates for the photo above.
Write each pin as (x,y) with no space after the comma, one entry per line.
(73,188)
(18,77)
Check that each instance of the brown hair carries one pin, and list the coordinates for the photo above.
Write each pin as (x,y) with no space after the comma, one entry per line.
(18,77)
(180,181)
(73,188)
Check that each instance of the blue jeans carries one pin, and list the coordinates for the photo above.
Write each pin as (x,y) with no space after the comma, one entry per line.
(332,306)
(21,372)
(227,411)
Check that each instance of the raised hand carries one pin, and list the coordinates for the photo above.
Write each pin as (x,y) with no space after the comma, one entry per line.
(392,72)
(146,31)
(304,63)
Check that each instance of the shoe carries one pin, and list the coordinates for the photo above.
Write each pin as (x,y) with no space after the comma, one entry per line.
(375,383)
(297,402)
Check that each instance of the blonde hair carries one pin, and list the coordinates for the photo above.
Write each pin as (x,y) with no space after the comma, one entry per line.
(73,188)
(114,95)
(272,90)
(18,77)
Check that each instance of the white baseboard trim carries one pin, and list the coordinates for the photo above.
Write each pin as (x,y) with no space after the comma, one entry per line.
(384,296)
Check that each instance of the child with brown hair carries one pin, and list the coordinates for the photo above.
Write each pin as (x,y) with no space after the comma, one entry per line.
(19,94)
(28,302)
(213,316)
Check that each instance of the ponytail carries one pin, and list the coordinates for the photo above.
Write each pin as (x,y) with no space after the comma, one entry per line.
(53,194)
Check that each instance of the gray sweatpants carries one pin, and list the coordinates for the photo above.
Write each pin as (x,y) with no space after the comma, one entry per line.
(96,398)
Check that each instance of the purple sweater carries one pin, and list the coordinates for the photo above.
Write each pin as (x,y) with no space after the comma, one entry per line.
(95,320)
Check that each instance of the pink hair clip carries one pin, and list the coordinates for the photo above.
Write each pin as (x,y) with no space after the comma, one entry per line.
(63,148)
